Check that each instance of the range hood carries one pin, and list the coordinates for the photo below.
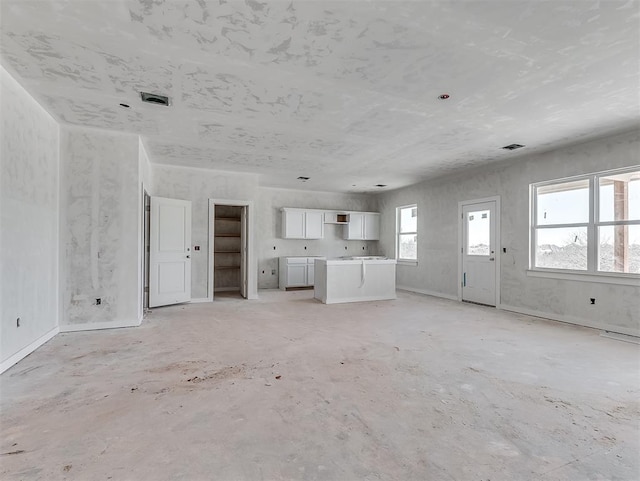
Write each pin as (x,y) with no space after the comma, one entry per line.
(336,218)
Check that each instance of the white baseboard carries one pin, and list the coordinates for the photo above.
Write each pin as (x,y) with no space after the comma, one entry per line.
(91,326)
(571,320)
(24,352)
(427,293)
(354,299)
(201,299)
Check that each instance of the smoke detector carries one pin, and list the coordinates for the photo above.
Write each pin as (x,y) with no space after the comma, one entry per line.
(154,99)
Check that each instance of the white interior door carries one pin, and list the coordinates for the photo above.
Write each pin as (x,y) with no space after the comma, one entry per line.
(169,252)
(479,253)
(243,254)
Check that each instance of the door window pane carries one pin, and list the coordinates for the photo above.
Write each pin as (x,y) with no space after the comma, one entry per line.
(619,197)
(479,233)
(408,246)
(565,203)
(561,248)
(619,248)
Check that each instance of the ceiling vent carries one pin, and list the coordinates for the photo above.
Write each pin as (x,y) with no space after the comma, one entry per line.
(154,98)
(381,185)
(512,147)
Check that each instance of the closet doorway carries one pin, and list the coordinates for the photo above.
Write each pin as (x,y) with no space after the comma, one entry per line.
(229,250)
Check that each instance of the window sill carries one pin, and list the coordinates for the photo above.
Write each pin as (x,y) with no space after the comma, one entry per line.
(604,278)
(401,262)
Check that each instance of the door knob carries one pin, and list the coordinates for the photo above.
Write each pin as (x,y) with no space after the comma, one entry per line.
(188,257)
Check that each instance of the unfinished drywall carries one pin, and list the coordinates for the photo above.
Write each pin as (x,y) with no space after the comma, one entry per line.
(271,245)
(198,186)
(29,163)
(100,194)
(617,306)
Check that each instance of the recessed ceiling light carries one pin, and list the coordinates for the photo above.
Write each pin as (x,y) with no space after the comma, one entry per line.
(443,96)
(154,98)
(125,106)
(303,179)
(513,146)
(381,185)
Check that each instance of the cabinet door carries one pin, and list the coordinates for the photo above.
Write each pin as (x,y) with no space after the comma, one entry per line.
(355,228)
(296,275)
(311,269)
(293,224)
(314,223)
(372,226)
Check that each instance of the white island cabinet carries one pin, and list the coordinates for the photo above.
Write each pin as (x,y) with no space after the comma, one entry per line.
(355,279)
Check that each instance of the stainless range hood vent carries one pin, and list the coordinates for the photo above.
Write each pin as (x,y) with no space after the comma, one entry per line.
(336,218)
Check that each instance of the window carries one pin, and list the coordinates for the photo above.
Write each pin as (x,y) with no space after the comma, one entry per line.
(407,239)
(589,224)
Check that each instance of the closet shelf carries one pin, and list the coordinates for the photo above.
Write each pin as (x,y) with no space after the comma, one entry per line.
(234,219)
(227,235)
(226,267)
(227,252)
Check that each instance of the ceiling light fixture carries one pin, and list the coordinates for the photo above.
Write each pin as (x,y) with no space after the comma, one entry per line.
(154,98)
(443,96)
(513,146)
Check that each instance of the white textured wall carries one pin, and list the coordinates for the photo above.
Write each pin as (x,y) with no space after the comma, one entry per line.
(437,201)
(332,245)
(100,230)
(29,164)
(198,186)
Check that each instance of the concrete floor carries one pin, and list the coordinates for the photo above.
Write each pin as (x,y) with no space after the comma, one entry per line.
(287,388)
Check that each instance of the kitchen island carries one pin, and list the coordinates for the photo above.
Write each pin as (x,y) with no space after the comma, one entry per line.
(355,279)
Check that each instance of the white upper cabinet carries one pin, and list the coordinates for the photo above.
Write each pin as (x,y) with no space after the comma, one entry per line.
(371,226)
(314,224)
(302,224)
(363,226)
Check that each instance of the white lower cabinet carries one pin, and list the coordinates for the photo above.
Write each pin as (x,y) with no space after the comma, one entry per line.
(297,271)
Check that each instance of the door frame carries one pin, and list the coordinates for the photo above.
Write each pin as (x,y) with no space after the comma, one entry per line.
(146,230)
(250,260)
(461,205)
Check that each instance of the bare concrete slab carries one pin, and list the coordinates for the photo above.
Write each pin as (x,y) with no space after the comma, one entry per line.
(284,387)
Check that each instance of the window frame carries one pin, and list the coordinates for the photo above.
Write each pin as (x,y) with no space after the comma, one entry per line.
(591,273)
(400,260)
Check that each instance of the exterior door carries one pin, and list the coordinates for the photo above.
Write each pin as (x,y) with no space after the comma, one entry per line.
(479,253)
(169,252)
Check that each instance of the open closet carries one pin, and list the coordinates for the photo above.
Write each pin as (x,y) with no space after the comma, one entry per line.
(228,248)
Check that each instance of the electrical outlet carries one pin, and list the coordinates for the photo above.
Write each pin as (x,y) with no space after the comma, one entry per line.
(18,322)
(98,301)
(273,272)
(593,300)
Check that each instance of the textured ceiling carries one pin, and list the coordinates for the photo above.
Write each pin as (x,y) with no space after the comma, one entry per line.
(343,92)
